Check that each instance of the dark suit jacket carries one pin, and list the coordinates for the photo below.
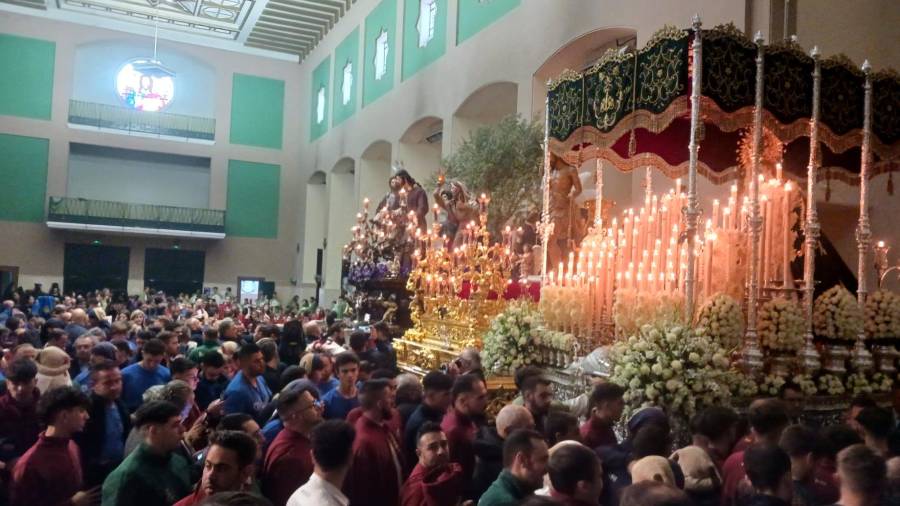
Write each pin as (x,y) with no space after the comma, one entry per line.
(91,440)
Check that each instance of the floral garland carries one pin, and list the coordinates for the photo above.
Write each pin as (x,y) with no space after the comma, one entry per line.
(723,320)
(882,314)
(673,367)
(772,384)
(781,325)
(836,315)
(634,309)
(829,384)
(806,383)
(515,337)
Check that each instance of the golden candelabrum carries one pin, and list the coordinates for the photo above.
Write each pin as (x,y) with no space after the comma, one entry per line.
(457,292)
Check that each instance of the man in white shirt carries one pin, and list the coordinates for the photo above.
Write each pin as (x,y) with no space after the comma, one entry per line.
(332,446)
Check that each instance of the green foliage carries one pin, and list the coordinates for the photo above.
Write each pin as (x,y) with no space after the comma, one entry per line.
(504,161)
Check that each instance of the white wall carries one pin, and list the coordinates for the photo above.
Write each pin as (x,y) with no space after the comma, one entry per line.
(138,177)
(98,62)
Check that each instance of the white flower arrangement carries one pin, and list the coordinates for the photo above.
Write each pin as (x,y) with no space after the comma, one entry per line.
(723,320)
(806,383)
(836,315)
(881,382)
(672,367)
(634,309)
(771,385)
(516,336)
(743,385)
(882,314)
(781,325)
(829,384)
(857,383)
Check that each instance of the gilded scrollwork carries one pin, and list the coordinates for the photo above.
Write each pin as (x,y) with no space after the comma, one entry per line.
(729,70)
(842,98)
(566,103)
(886,101)
(661,74)
(788,84)
(608,89)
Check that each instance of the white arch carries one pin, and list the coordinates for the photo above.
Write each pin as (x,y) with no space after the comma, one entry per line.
(485,106)
(341,189)
(420,147)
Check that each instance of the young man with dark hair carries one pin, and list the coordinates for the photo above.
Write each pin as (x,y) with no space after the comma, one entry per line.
(715,431)
(560,426)
(212,380)
(210,344)
(274,366)
(537,392)
(525,457)
(436,387)
(805,448)
(137,378)
(768,468)
(332,450)
(341,400)
(862,475)
(434,481)
(185,370)
(49,473)
(768,418)
(288,464)
(19,426)
(876,424)
(576,476)
(792,396)
(102,442)
(228,466)
(170,341)
(607,405)
(247,392)
(468,402)
(488,446)
(377,472)
(153,474)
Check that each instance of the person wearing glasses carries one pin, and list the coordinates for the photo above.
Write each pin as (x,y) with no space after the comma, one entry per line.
(288,462)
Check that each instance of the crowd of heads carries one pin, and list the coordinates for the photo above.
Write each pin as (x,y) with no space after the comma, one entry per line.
(263,407)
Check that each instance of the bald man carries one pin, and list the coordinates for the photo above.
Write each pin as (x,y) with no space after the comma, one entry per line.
(78,324)
(489,446)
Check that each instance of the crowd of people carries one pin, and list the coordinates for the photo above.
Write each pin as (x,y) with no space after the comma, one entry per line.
(155,401)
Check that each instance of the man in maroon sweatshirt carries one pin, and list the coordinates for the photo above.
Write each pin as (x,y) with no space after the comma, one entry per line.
(377,471)
(19,427)
(435,481)
(49,474)
(288,463)
(469,399)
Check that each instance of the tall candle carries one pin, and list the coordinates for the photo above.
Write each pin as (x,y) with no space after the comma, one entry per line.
(767,239)
(715,213)
(786,269)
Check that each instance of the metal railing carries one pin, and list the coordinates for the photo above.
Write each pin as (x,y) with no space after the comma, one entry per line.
(121,214)
(152,123)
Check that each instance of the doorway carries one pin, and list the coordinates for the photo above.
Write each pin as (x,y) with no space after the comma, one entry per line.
(88,267)
(9,280)
(174,271)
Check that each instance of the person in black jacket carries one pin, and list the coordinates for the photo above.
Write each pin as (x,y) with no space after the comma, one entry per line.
(489,446)
(102,442)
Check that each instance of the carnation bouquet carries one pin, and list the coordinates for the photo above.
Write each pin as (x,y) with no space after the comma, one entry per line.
(673,367)
(723,320)
(634,309)
(858,383)
(806,383)
(771,385)
(882,314)
(836,315)
(517,337)
(781,325)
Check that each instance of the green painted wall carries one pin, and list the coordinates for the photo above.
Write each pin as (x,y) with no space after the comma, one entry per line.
(257,111)
(416,58)
(26,88)
(473,15)
(347,51)
(319,82)
(252,199)
(382,17)
(23,170)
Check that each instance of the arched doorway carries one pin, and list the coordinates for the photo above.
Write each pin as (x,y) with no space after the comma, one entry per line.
(316,227)
(341,186)
(374,172)
(485,106)
(420,148)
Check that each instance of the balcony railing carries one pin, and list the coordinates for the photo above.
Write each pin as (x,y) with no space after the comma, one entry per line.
(161,124)
(68,210)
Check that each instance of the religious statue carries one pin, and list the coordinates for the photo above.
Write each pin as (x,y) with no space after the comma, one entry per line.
(460,207)
(565,187)
(405,195)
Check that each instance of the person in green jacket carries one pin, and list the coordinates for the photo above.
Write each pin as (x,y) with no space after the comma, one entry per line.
(210,343)
(525,457)
(153,475)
